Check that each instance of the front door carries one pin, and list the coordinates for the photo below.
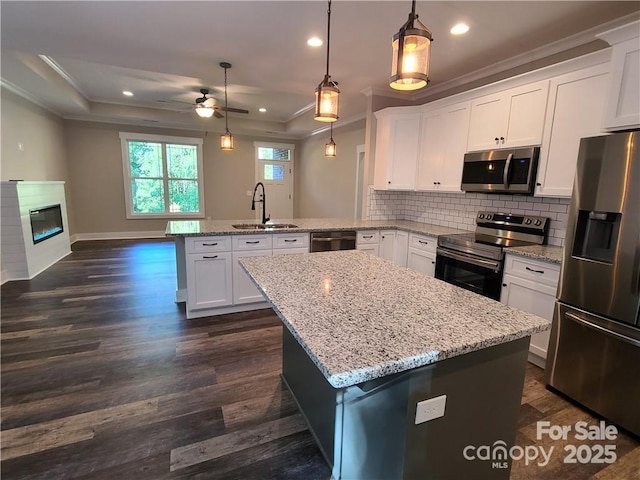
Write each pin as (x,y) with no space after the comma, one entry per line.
(276,173)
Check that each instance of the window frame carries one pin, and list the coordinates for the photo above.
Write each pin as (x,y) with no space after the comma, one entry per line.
(125,138)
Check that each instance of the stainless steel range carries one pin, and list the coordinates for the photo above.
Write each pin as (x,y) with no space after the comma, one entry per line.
(475,261)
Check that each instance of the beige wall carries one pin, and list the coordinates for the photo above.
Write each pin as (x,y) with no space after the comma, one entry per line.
(95,165)
(41,133)
(326,187)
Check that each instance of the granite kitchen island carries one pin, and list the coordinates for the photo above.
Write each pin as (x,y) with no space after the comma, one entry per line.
(365,341)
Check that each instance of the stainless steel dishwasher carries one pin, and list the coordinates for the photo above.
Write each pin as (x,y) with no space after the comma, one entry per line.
(330,241)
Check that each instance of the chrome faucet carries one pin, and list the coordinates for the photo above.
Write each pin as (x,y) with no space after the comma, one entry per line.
(263,200)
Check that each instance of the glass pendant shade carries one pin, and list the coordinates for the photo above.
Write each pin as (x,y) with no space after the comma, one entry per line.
(204,111)
(330,149)
(226,141)
(411,54)
(327,95)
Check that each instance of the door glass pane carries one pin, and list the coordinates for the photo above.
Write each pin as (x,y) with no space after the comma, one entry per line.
(271,153)
(147,195)
(183,196)
(145,159)
(273,172)
(182,161)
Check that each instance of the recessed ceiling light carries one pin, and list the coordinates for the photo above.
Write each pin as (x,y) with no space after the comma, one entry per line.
(314,42)
(128,93)
(459,29)
(262,109)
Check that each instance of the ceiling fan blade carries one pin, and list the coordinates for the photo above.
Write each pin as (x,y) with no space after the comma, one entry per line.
(217,114)
(233,110)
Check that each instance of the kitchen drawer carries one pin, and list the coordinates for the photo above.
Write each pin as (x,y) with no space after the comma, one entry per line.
(368,237)
(291,240)
(252,242)
(290,251)
(542,272)
(422,242)
(207,244)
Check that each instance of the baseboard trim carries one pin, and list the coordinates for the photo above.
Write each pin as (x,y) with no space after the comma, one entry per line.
(78,237)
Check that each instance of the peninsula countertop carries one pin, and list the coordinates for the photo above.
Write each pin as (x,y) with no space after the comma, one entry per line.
(359,317)
(199,228)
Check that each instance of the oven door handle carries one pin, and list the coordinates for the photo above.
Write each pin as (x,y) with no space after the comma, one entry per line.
(505,174)
(495,266)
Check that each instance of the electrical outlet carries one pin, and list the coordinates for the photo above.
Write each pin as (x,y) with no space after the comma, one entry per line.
(430,409)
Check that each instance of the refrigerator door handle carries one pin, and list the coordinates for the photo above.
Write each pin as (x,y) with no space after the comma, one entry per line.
(600,329)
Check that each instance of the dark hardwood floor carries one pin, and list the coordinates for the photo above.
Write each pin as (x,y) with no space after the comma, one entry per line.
(103,377)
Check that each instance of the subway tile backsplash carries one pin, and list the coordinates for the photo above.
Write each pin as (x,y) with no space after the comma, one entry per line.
(458,210)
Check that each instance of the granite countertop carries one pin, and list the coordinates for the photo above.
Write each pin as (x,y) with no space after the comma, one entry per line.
(199,228)
(546,253)
(360,317)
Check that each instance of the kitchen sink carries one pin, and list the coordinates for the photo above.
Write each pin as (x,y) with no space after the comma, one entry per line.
(260,226)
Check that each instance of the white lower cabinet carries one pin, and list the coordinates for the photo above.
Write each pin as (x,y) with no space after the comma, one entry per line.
(388,245)
(244,290)
(401,248)
(209,283)
(531,286)
(368,241)
(421,255)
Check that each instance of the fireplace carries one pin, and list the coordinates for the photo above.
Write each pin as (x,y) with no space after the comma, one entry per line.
(46,222)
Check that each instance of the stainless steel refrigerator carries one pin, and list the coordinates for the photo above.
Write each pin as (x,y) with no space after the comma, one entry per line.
(594,351)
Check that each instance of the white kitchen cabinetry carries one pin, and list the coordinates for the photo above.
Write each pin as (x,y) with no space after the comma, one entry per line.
(388,245)
(244,290)
(622,110)
(209,282)
(531,286)
(368,241)
(401,249)
(397,149)
(422,254)
(513,118)
(574,111)
(290,243)
(443,145)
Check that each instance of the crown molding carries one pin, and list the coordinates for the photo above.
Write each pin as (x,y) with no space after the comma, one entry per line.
(63,74)
(27,96)
(343,123)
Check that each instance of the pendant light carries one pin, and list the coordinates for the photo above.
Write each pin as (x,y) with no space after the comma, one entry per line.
(226,140)
(330,148)
(327,92)
(411,54)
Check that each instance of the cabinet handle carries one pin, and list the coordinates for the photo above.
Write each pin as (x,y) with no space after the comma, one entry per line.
(252,243)
(209,244)
(538,184)
(433,263)
(214,256)
(389,182)
(438,183)
(434,183)
(423,242)
(496,140)
(504,284)
(502,139)
(367,236)
(291,240)
(533,270)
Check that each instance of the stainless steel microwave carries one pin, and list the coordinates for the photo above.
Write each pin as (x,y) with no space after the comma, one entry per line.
(501,171)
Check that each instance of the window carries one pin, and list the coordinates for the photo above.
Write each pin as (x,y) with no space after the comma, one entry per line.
(162,176)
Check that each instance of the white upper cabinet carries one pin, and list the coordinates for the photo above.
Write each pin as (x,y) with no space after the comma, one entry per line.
(622,111)
(574,111)
(397,149)
(513,118)
(443,141)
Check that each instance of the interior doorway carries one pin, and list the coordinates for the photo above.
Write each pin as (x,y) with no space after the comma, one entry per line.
(359,181)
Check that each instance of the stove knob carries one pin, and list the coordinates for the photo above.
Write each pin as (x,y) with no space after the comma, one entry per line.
(481,216)
(538,223)
(489,216)
(527,221)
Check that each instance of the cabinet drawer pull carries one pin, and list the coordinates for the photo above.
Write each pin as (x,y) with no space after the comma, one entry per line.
(214,256)
(423,242)
(532,270)
(210,244)
(252,243)
(291,240)
(367,236)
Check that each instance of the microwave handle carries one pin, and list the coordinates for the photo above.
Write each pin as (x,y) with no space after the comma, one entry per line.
(505,174)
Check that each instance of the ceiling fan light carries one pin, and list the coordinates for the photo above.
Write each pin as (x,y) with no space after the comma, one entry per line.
(327,95)
(226,141)
(411,55)
(204,111)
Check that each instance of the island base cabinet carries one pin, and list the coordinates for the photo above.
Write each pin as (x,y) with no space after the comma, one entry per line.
(244,290)
(368,430)
(210,275)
